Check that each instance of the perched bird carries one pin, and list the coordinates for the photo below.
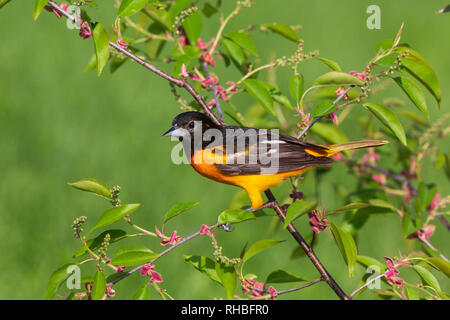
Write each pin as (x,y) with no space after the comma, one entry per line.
(250,158)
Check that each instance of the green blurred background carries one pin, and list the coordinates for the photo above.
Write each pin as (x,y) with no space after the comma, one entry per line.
(58,124)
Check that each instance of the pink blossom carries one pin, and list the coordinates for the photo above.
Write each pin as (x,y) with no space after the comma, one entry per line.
(122,43)
(317,220)
(200,44)
(424,233)
(256,288)
(183,41)
(392,273)
(195,77)
(207,231)
(148,270)
(273,293)
(340,91)
(184,74)
(210,81)
(305,119)
(110,292)
(166,240)
(337,157)
(333,116)
(120,269)
(407,191)
(211,103)
(380,178)
(208,59)
(358,74)
(85,30)
(63,6)
(435,202)
(370,157)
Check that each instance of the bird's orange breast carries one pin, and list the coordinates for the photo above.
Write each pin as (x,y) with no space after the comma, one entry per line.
(204,163)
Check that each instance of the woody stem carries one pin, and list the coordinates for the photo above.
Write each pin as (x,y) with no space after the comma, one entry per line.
(307,249)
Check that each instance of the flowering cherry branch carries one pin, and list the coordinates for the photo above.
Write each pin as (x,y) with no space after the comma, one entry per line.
(274,204)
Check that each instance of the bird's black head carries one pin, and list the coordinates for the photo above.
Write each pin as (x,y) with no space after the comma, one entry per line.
(187,123)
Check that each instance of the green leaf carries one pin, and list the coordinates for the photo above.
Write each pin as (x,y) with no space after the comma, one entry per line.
(440,265)
(91,64)
(323,108)
(55,280)
(38,7)
(205,265)
(94,186)
(193,27)
(388,118)
(277,96)
(284,30)
(99,286)
(340,78)
(4,2)
(259,93)
(348,207)
(132,256)
(95,243)
(414,93)
(227,276)
(297,209)
(209,10)
(258,247)
(331,64)
(346,245)
(235,216)
(234,50)
(412,294)
(244,41)
(369,262)
(296,86)
(329,133)
(281,276)
(416,65)
(130,7)
(142,293)
(382,204)
(101,43)
(425,194)
(427,277)
(114,214)
(179,208)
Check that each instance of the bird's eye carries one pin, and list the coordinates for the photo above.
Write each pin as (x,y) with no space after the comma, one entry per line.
(191,124)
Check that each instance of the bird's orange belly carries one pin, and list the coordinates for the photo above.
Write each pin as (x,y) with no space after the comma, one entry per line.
(252,183)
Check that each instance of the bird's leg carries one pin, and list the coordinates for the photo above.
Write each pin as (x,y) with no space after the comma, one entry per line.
(269,204)
(225,227)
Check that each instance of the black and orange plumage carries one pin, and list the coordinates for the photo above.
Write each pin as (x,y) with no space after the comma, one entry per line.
(213,156)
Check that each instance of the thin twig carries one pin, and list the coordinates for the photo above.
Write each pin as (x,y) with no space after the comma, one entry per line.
(366,284)
(306,248)
(300,287)
(318,118)
(184,240)
(179,82)
(182,83)
(213,90)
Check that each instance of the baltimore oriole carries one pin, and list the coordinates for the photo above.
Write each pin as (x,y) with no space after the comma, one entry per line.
(250,158)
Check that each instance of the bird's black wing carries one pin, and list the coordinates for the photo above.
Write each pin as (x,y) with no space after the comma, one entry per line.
(258,151)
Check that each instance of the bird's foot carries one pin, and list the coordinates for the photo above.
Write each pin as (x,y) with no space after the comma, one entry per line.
(225,227)
(268,204)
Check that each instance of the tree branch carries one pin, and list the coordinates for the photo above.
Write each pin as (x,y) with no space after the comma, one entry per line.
(178,82)
(308,250)
(318,118)
(184,84)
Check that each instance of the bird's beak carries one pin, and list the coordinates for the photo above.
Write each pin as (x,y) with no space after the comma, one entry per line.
(174,132)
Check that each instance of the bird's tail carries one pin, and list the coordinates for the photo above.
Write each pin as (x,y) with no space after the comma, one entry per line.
(328,151)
